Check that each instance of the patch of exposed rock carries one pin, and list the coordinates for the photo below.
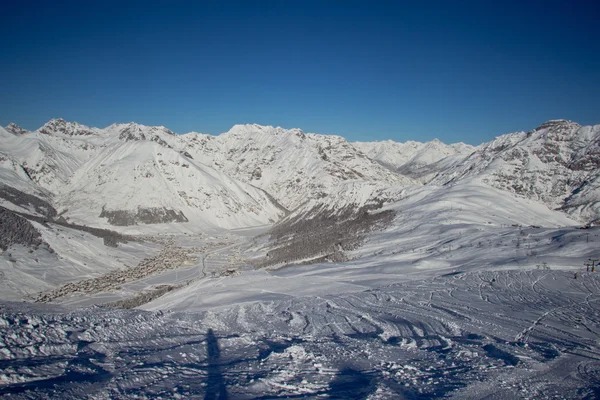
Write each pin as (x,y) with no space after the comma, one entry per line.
(152,215)
(66,128)
(14,229)
(16,129)
(27,201)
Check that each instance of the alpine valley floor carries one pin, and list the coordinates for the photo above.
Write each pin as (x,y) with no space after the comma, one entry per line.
(469,294)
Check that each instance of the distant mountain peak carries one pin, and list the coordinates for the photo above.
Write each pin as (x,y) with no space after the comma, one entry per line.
(16,129)
(133,131)
(556,163)
(240,129)
(557,123)
(60,126)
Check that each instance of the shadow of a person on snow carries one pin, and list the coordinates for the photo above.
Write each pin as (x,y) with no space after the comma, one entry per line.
(351,384)
(215,388)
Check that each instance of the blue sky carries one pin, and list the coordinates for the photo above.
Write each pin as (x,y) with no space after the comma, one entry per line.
(401,70)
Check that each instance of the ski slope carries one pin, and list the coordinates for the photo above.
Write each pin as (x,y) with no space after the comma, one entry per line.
(505,334)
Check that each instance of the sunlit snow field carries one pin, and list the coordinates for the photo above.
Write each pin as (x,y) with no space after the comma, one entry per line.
(469,293)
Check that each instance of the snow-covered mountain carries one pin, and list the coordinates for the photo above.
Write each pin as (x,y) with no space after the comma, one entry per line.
(15,129)
(128,174)
(557,163)
(144,182)
(418,160)
(291,165)
(134,174)
(60,126)
(452,288)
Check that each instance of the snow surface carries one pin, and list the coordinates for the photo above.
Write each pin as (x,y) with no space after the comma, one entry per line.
(505,334)
(413,158)
(556,163)
(472,291)
(450,301)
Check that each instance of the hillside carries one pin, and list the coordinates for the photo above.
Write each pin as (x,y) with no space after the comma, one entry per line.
(556,164)
(129,174)
(274,263)
(291,165)
(420,161)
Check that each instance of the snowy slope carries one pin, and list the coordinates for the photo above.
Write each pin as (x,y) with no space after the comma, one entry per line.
(240,176)
(144,178)
(46,159)
(556,164)
(479,335)
(466,227)
(130,170)
(40,160)
(449,301)
(464,290)
(418,160)
(290,165)
(74,255)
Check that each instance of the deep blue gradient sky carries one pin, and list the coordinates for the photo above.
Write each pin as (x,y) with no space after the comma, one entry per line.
(458,71)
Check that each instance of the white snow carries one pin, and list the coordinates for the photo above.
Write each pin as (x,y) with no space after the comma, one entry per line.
(472,291)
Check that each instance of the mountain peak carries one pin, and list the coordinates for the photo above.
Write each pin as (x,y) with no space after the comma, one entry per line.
(16,129)
(555,130)
(557,123)
(59,125)
(135,131)
(267,129)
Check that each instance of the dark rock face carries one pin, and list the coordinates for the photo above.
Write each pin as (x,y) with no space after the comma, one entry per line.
(153,215)
(66,128)
(186,154)
(134,132)
(28,201)
(129,133)
(16,129)
(15,229)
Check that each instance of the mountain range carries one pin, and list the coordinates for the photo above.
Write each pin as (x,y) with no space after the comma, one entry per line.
(289,264)
(131,175)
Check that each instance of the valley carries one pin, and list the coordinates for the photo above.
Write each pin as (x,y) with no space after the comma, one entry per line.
(273,263)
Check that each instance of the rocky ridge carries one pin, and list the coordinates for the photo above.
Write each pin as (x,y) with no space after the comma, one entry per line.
(274,170)
(15,129)
(557,163)
(289,164)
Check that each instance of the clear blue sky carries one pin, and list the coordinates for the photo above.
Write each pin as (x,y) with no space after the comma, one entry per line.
(458,71)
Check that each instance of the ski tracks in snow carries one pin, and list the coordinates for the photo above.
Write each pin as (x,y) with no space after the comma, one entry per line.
(437,338)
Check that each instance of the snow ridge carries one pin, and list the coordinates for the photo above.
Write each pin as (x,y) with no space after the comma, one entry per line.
(415,159)
(245,176)
(556,164)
